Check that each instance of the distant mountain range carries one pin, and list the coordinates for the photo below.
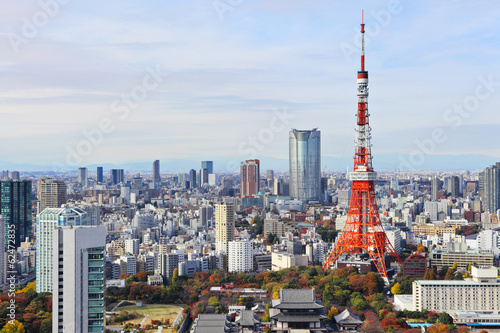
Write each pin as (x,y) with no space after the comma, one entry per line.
(380,162)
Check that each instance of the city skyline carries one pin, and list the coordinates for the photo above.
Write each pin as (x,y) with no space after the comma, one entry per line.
(198,65)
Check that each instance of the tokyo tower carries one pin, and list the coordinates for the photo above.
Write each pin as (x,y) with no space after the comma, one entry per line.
(363,230)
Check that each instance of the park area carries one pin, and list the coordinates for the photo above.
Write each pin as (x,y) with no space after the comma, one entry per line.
(148,316)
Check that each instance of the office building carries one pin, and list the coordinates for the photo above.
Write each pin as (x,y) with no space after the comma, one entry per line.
(240,256)
(203,177)
(117,176)
(481,293)
(462,258)
(455,187)
(93,215)
(224,226)
(394,184)
(192,178)
(415,266)
(51,193)
(250,178)
(156,172)
(15,175)
(489,182)
(305,165)
(78,285)
(277,186)
(206,215)
(2,257)
(15,206)
(83,177)
(209,165)
(47,221)
(100,175)
(436,185)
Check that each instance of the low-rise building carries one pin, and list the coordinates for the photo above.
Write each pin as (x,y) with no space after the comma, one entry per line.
(415,266)
(433,229)
(348,321)
(480,294)
(441,258)
(281,260)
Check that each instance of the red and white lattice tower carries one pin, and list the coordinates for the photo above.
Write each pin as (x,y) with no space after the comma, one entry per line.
(363,231)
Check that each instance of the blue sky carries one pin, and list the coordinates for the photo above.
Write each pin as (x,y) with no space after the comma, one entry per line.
(225,69)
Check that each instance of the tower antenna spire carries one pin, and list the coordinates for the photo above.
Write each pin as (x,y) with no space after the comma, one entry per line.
(362,40)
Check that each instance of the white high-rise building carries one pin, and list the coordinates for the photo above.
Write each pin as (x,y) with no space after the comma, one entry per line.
(394,236)
(132,246)
(213,179)
(78,282)
(143,220)
(240,256)
(47,221)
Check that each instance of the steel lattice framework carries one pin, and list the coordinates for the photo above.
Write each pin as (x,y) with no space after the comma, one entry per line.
(363,230)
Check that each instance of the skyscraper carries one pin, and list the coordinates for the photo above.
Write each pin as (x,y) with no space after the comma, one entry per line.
(15,175)
(436,185)
(156,172)
(117,176)
(15,206)
(224,226)
(203,176)
(47,221)
(491,185)
(455,186)
(305,165)
(209,165)
(206,214)
(78,282)
(51,193)
(2,256)
(192,178)
(250,178)
(100,177)
(83,176)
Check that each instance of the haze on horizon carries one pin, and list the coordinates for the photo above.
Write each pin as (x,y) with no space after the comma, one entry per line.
(208,77)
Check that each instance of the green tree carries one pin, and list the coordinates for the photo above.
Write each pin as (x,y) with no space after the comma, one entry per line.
(266,318)
(46,326)
(359,304)
(445,318)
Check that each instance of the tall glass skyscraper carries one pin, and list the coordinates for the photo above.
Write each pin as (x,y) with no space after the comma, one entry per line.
(209,165)
(156,172)
(117,176)
(305,165)
(15,206)
(99,174)
(489,187)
